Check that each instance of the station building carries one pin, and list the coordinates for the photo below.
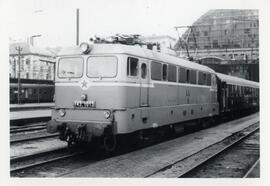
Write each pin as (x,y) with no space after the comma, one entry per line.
(225,40)
(35,62)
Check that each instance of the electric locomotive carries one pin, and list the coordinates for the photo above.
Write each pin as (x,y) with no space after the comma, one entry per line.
(106,90)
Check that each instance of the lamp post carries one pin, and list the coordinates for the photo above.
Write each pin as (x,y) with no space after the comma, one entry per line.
(32,39)
(19,49)
(77,26)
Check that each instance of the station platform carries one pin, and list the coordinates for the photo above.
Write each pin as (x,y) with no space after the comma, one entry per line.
(30,114)
(30,106)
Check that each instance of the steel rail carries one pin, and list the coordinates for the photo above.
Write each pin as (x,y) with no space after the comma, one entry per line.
(27,129)
(27,126)
(218,152)
(200,163)
(33,138)
(42,162)
(251,168)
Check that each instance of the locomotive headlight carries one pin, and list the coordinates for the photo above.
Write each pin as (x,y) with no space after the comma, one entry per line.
(84,97)
(62,112)
(85,48)
(107,114)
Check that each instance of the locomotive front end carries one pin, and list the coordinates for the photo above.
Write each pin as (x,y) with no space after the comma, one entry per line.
(83,110)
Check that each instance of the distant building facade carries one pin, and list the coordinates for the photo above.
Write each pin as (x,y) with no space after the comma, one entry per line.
(224,37)
(35,62)
(164,40)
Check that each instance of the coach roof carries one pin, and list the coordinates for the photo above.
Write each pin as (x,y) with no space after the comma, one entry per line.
(237,81)
(98,49)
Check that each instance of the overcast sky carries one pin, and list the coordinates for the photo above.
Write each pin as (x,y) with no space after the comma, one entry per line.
(55,20)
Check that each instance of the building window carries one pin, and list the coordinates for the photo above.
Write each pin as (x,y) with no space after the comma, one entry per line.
(205,33)
(246,30)
(215,43)
(27,61)
(132,66)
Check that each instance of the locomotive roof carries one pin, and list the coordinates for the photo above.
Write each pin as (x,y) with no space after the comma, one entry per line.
(135,51)
(237,81)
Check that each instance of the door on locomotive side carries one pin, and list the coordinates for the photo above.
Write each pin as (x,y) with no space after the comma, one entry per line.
(144,83)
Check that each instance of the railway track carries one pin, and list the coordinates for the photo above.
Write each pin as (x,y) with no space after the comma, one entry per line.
(28,139)
(184,167)
(36,132)
(23,163)
(251,169)
(177,169)
(36,127)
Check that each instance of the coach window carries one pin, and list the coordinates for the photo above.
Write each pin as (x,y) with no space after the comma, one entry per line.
(172,73)
(193,77)
(230,90)
(156,70)
(132,66)
(143,71)
(240,91)
(182,75)
(164,72)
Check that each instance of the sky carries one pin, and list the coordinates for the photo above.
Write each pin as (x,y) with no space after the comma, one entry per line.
(55,20)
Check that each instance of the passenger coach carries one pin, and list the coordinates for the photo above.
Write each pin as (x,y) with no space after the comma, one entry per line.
(105,90)
(237,95)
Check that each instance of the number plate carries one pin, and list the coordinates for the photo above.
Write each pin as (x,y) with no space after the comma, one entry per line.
(85,104)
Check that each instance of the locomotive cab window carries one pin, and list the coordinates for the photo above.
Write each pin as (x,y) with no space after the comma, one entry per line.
(70,67)
(132,66)
(103,66)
